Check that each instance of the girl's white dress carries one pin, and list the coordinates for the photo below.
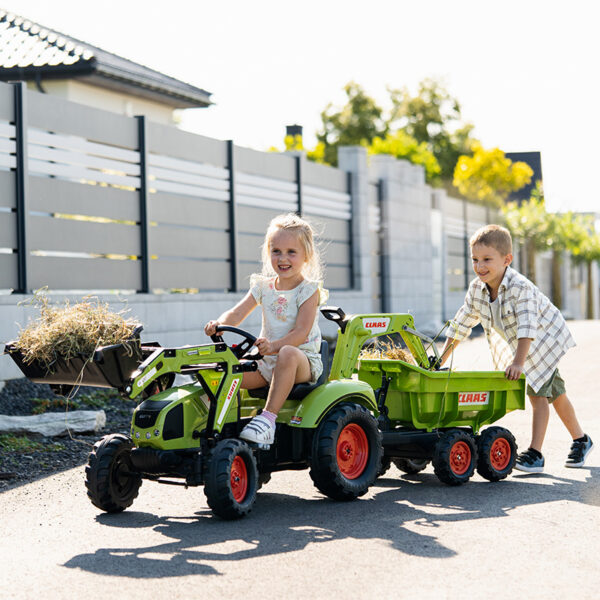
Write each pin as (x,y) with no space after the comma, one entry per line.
(279,314)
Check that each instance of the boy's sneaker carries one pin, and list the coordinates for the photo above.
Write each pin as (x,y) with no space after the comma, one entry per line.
(260,431)
(530,462)
(579,452)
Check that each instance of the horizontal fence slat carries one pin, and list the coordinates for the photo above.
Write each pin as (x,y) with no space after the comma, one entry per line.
(7,145)
(53,113)
(184,242)
(331,229)
(250,191)
(58,196)
(336,253)
(8,189)
(254,219)
(7,102)
(68,142)
(186,210)
(83,273)
(323,176)
(77,158)
(8,161)
(245,271)
(277,205)
(249,246)
(8,230)
(170,274)
(181,177)
(265,164)
(66,235)
(79,173)
(187,166)
(7,130)
(322,193)
(8,272)
(337,278)
(188,190)
(326,212)
(265,182)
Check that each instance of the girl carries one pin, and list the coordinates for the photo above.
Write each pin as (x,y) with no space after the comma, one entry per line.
(290,290)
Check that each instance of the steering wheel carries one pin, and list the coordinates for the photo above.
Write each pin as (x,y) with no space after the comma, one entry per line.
(242,348)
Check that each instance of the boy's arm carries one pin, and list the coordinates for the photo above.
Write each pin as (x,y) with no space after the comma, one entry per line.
(514,370)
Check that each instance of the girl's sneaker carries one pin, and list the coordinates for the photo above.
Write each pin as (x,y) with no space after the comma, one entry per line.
(530,462)
(579,452)
(260,431)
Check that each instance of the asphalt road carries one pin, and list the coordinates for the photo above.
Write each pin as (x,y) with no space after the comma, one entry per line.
(530,536)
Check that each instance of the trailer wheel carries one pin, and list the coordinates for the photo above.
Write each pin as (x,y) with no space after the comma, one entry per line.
(497,453)
(346,452)
(231,479)
(410,466)
(455,457)
(112,485)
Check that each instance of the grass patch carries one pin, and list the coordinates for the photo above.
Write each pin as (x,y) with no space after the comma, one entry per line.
(22,444)
(97,400)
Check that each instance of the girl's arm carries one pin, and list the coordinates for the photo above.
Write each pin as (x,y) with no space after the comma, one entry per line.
(234,316)
(298,334)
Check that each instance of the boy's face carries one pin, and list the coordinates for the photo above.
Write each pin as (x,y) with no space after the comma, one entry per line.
(489,265)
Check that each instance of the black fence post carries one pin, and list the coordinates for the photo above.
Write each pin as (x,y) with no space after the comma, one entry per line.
(467,250)
(144,220)
(22,184)
(383,259)
(350,190)
(232,217)
(299,183)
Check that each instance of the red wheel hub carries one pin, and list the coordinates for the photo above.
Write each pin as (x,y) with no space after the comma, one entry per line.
(460,458)
(500,454)
(352,451)
(239,479)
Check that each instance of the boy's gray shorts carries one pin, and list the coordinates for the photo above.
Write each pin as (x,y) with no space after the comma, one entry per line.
(552,389)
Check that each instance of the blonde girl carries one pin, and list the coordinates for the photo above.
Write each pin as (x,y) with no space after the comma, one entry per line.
(290,290)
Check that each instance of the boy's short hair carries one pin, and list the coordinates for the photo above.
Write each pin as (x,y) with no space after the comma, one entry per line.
(494,236)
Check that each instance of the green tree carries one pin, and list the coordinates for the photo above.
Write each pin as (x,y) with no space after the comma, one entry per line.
(528,223)
(358,122)
(402,145)
(588,252)
(433,117)
(488,177)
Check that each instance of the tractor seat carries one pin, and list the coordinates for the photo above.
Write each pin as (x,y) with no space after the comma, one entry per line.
(300,390)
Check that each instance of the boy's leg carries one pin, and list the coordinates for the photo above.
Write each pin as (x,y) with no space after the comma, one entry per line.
(565,410)
(541,415)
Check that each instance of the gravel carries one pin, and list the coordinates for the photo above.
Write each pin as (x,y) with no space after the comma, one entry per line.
(57,453)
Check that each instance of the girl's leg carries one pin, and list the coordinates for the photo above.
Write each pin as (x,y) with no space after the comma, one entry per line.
(566,412)
(292,367)
(253,380)
(541,414)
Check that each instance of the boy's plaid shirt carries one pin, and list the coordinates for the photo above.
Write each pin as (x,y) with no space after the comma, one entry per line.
(526,313)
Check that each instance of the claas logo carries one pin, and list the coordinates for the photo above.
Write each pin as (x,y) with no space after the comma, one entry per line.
(473,398)
(375,325)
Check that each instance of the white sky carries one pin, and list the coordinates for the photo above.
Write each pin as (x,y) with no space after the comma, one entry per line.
(526,72)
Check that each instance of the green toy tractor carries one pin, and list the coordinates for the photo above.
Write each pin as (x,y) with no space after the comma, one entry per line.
(346,428)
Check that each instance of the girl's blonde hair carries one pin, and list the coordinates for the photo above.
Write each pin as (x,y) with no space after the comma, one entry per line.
(291,222)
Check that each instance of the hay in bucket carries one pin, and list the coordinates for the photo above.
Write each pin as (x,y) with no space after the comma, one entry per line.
(70,330)
(388,351)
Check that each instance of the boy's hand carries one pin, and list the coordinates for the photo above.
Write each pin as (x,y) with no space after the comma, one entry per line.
(265,346)
(514,371)
(211,327)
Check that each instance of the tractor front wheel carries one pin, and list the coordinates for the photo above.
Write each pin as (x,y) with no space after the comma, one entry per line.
(455,456)
(497,453)
(346,452)
(231,479)
(112,484)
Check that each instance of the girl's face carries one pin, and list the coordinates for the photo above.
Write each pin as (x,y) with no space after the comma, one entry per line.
(287,258)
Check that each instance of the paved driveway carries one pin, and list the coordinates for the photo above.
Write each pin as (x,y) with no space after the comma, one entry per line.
(531,536)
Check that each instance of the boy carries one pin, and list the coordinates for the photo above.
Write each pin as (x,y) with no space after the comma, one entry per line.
(526,333)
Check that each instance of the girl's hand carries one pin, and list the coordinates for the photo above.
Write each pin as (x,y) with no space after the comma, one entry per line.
(514,371)
(265,346)
(211,327)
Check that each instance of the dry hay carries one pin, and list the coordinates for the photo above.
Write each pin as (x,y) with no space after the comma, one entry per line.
(71,330)
(388,351)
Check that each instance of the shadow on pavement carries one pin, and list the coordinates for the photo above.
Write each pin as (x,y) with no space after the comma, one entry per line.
(280,523)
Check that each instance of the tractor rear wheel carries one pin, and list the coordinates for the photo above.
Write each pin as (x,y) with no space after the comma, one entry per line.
(111,481)
(497,453)
(346,452)
(410,466)
(455,456)
(231,479)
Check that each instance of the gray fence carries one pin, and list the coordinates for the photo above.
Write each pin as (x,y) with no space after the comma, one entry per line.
(93,200)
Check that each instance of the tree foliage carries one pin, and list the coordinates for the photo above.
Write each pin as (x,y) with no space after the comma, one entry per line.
(488,177)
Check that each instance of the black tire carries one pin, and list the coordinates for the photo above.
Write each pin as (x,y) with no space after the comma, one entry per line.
(455,456)
(346,452)
(411,466)
(263,479)
(231,479)
(386,463)
(112,485)
(497,451)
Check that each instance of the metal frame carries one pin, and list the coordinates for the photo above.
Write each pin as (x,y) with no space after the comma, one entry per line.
(144,220)
(232,217)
